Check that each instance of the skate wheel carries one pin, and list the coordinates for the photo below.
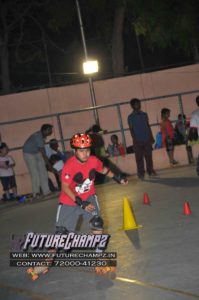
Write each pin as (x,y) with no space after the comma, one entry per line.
(106,270)
(98,270)
(29,270)
(35,277)
(112,269)
(45,271)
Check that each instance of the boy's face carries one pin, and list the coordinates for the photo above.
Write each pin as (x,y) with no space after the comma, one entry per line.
(114,140)
(54,146)
(137,106)
(83,154)
(4,151)
(47,132)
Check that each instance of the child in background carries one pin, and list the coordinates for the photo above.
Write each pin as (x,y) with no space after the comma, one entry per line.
(193,140)
(116,148)
(56,163)
(167,131)
(7,176)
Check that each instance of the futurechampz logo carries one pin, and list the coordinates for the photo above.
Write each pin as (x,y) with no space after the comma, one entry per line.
(65,241)
(32,250)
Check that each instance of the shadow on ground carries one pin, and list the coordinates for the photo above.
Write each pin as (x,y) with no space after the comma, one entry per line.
(176,182)
(133,236)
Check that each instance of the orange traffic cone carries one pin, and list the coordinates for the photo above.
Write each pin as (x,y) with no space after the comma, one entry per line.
(146,199)
(187,210)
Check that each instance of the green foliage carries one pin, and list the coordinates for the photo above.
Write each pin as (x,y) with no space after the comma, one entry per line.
(61,14)
(164,23)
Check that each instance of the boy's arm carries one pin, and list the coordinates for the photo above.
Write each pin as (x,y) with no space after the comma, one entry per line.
(11,162)
(3,165)
(43,152)
(119,178)
(150,131)
(131,130)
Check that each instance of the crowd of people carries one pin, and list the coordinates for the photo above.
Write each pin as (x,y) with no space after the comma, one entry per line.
(41,157)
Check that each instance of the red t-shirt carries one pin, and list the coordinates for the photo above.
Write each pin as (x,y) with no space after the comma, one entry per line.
(169,131)
(80,177)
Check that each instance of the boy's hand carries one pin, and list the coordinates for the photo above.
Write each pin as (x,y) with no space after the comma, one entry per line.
(120,178)
(86,205)
(89,208)
(124,181)
(5,165)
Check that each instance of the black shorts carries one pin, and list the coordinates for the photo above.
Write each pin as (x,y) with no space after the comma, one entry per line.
(169,144)
(8,182)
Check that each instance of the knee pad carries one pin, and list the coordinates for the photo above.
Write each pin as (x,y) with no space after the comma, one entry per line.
(61,230)
(96,223)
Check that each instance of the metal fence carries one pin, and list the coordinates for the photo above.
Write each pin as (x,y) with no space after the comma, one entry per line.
(117,106)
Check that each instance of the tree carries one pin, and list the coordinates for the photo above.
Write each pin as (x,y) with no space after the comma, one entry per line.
(159,23)
(165,23)
(18,23)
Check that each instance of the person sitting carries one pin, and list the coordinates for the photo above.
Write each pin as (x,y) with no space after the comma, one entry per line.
(116,148)
(180,134)
(53,148)
(56,163)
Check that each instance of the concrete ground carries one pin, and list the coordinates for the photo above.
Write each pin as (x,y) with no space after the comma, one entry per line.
(158,261)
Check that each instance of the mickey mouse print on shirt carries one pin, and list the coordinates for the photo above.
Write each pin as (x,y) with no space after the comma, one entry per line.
(83,185)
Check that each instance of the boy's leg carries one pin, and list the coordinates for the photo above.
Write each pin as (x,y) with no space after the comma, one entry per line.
(170,151)
(189,154)
(34,272)
(66,218)
(148,157)
(139,157)
(13,185)
(5,184)
(95,223)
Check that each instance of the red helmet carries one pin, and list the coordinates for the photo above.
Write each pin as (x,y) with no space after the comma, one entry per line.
(81,141)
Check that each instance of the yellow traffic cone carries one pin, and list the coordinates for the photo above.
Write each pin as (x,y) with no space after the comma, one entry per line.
(129,218)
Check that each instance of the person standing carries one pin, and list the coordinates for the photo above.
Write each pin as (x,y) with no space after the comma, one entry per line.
(194,127)
(36,160)
(168,135)
(115,148)
(194,121)
(7,175)
(142,138)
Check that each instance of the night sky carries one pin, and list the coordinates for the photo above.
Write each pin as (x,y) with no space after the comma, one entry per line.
(46,48)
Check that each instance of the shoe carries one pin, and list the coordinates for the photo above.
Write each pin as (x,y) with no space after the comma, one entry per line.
(152,174)
(49,195)
(34,275)
(173,162)
(105,270)
(36,197)
(141,177)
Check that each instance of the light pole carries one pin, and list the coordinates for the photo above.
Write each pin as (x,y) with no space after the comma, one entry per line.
(90,81)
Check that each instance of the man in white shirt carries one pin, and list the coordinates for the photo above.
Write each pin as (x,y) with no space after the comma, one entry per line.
(194,122)
(194,125)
